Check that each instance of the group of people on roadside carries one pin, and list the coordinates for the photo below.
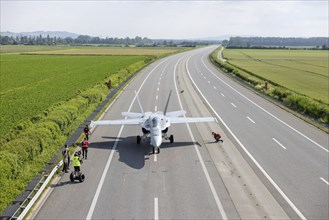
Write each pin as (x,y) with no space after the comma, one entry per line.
(76,158)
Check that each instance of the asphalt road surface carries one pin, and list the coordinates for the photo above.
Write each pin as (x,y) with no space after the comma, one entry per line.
(125,180)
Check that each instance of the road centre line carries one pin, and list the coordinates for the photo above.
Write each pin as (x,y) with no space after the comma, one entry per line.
(279,143)
(292,205)
(326,182)
(298,132)
(155,108)
(158,83)
(158,89)
(101,182)
(156,97)
(214,87)
(204,168)
(156,208)
(251,120)
(209,82)
(222,94)
(233,105)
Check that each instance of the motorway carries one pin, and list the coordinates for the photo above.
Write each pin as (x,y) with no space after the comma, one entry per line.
(271,164)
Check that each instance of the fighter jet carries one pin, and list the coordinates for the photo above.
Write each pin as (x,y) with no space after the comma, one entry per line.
(154,124)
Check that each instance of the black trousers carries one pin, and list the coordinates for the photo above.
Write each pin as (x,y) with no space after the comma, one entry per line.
(84,152)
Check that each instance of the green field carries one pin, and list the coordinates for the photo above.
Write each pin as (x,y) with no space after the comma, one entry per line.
(303,71)
(32,83)
(44,99)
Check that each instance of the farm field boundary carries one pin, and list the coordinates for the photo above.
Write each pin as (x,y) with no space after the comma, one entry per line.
(313,110)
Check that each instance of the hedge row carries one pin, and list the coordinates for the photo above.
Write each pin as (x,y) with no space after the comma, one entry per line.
(26,150)
(300,103)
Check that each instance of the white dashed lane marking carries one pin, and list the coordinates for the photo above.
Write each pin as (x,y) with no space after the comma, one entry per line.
(279,143)
(156,208)
(325,181)
(233,105)
(251,120)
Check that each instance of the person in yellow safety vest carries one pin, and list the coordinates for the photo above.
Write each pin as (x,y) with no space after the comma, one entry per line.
(76,161)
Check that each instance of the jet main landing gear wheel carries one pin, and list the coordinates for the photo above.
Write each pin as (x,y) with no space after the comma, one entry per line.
(171,138)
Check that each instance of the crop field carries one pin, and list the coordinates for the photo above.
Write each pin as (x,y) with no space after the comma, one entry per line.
(303,71)
(90,50)
(29,48)
(113,51)
(32,83)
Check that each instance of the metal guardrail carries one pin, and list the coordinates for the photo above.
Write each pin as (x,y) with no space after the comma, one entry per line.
(35,194)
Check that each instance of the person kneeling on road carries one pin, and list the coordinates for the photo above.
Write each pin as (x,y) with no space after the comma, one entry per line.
(85,145)
(217,137)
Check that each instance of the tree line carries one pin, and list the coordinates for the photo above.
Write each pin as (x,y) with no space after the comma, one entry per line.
(260,42)
(85,40)
(81,39)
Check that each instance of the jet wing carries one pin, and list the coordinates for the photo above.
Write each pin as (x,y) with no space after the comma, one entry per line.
(134,121)
(175,113)
(177,120)
(132,114)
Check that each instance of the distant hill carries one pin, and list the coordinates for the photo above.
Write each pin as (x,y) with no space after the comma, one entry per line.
(61,34)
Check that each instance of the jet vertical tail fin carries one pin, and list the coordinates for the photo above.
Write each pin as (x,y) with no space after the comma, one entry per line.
(166,108)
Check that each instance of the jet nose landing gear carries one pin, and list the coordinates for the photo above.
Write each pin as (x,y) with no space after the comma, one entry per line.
(158,150)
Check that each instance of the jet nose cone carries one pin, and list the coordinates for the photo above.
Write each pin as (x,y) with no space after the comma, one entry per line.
(156,141)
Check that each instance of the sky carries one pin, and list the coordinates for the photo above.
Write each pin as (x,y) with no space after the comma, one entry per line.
(169,19)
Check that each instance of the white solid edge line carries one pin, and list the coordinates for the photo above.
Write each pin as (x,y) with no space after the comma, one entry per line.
(298,132)
(156,208)
(101,182)
(279,143)
(210,183)
(251,157)
(325,181)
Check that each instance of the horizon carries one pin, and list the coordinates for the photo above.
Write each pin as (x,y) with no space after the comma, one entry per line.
(212,38)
